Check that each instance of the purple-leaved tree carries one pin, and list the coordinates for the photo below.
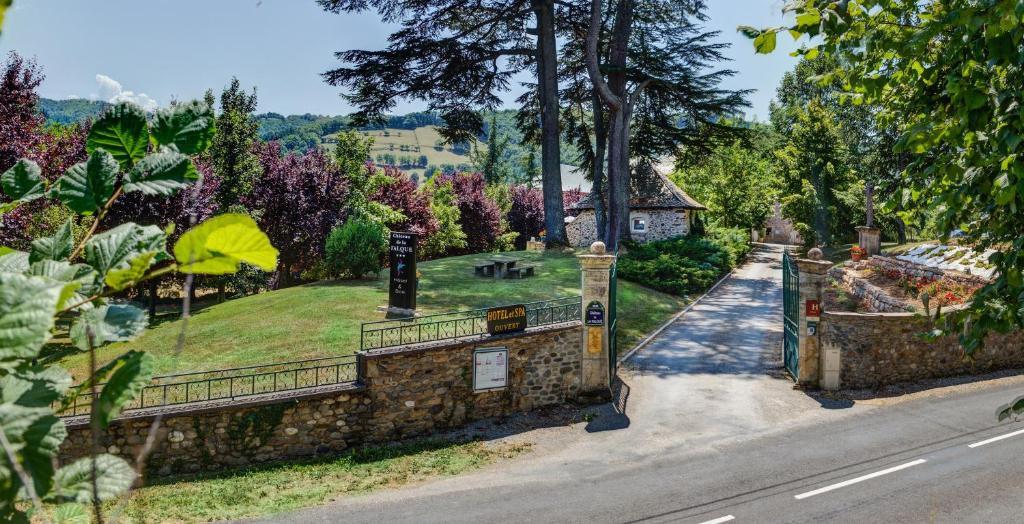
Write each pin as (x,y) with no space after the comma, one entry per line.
(297,199)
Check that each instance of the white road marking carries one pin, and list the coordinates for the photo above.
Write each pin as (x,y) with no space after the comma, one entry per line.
(996,439)
(869,476)
(719,520)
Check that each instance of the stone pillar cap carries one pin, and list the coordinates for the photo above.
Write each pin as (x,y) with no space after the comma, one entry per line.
(598,248)
(815,254)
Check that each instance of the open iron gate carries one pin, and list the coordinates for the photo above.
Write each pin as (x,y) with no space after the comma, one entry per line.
(791,314)
(613,346)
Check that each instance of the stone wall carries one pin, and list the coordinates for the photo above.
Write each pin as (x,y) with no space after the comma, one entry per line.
(883,263)
(405,393)
(661,224)
(877,349)
(872,296)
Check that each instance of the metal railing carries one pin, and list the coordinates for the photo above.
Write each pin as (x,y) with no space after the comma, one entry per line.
(449,326)
(227,384)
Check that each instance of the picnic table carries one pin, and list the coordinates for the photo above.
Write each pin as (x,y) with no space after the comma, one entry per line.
(502,264)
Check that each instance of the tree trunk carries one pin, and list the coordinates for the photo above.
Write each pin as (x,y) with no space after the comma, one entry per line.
(869,194)
(598,190)
(551,158)
(221,291)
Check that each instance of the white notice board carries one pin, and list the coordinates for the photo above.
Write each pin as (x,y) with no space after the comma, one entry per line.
(490,368)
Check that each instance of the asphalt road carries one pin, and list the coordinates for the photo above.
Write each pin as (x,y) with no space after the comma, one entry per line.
(710,434)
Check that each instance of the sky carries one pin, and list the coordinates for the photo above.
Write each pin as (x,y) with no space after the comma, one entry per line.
(155,51)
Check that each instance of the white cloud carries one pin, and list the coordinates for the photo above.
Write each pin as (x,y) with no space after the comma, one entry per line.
(112,91)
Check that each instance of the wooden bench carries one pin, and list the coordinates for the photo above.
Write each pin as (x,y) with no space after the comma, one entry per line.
(484,270)
(520,272)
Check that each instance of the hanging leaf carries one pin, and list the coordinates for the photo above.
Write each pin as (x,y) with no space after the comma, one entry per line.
(119,279)
(217,246)
(35,435)
(14,262)
(35,387)
(188,126)
(23,181)
(115,248)
(161,173)
(57,247)
(122,132)
(765,42)
(27,305)
(74,482)
(71,514)
(111,323)
(87,186)
(79,280)
(134,373)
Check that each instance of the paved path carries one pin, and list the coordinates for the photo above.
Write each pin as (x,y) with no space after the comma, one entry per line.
(711,429)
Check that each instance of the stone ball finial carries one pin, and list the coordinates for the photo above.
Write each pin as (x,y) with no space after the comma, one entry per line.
(814,254)
(597,248)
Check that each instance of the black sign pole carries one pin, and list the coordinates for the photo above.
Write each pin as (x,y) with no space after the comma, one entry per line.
(402,285)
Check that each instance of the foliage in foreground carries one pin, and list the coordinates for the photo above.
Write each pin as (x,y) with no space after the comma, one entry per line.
(684,265)
(75,280)
(949,75)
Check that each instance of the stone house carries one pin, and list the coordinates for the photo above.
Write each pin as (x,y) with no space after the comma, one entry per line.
(779,230)
(658,209)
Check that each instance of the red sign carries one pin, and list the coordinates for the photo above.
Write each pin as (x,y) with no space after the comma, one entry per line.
(813,308)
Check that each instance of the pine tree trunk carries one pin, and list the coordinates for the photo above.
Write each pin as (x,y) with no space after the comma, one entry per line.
(598,196)
(547,85)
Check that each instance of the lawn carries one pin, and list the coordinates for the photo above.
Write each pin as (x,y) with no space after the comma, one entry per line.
(323,319)
(279,488)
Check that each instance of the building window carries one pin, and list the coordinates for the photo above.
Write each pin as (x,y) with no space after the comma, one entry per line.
(639,225)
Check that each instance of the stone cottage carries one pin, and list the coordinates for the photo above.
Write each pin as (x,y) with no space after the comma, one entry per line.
(778,229)
(658,209)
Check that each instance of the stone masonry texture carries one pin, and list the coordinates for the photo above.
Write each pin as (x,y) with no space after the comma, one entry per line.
(878,349)
(407,392)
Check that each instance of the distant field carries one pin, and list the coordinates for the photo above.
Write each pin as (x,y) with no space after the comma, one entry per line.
(419,141)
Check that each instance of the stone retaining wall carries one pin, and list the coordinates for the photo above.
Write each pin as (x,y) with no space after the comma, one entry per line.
(875,297)
(883,263)
(406,392)
(877,349)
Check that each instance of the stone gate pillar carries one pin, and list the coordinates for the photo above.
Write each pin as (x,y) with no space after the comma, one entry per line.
(595,378)
(869,239)
(812,293)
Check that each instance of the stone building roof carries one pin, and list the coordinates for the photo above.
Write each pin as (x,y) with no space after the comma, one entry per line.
(650,188)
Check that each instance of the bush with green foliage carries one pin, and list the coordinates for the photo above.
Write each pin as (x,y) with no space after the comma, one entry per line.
(63,288)
(683,265)
(356,248)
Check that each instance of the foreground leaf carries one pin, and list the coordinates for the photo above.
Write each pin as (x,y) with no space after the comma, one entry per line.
(87,186)
(115,248)
(219,245)
(188,126)
(35,387)
(27,307)
(71,514)
(35,435)
(79,280)
(57,247)
(119,279)
(162,173)
(111,323)
(134,373)
(122,132)
(23,181)
(14,262)
(74,482)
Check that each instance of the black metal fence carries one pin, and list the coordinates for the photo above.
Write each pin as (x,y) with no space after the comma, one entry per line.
(227,384)
(449,326)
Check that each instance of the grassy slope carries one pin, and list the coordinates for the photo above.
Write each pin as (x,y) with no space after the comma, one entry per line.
(278,488)
(323,319)
(422,138)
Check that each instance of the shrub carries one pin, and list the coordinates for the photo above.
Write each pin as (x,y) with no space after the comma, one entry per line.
(526,216)
(356,248)
(683,265)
